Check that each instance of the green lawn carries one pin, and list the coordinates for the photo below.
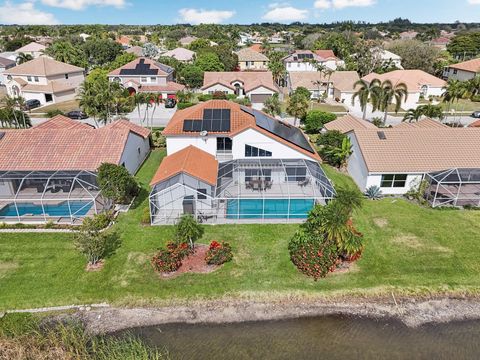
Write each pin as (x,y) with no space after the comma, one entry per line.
(409,249)
(462,105)
(65,106)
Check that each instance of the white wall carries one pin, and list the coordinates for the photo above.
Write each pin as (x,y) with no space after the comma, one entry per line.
(413,180)
(177,143)
(460,75)
(299,66)
(64,96)
(218,87)
(356,164)
(135,152)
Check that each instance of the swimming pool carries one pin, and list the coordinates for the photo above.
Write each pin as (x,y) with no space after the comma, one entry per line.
(78,207)
(268,208)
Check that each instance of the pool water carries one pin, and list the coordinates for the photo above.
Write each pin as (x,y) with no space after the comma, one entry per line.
(268,208)
(78,207)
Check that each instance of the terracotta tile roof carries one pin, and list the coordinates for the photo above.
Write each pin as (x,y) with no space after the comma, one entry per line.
(43,66)
(248,54)
(32,47)
(250,79)
(293,57)
(326,54)
(256,47)
(239,121)
(414,79)
(61,144)
(424,123)
(170,87)
(4,62)
(50,87)
(181,54)
(341,80)
(470,65)
(161,68)
(190,160)
(125,124)
(419,150)
(475,124)
(136,50)
(348,123)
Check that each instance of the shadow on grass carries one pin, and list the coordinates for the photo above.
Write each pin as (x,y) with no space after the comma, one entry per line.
(141,197)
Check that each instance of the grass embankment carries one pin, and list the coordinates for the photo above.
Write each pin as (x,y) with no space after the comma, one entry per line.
(65,106)
(409,249)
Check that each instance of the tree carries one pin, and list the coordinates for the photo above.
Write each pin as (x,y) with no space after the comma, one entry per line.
(316,119)
(465,45)
(327,142)
(23,58)
(149,50)
(428,110)
(297,106)
(416,54)
(209,62)
(454,91)
(191,76)
(385,93)
(272,105)
(116,183)
(341,154)
(364,93)
(188,230)
(65,52)
(99,52)
(277,67)
(413,115)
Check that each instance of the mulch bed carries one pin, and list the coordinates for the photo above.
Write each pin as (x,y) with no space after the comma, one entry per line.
(97,267)
(194,263)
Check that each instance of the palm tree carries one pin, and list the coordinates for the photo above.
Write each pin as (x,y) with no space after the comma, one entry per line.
(342,153)
(413,115)
(384,94)
(454,91)
(139,100)
(11,104)
(23,58)
(272,105)
(328,74)
(277,69)
(473,86)
(364,93)
(20,104)
(297,107)
(432,111)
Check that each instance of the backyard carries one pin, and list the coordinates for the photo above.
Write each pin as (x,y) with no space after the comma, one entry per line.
(409,250)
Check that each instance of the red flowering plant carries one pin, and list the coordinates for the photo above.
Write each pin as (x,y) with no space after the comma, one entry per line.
(218,253)
(170,259)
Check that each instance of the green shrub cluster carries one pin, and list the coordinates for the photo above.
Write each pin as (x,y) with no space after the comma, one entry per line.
(184,105)
(218,253)
(316,119)
(170,259)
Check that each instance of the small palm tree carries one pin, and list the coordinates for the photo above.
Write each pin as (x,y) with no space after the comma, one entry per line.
(413,115)
(272,105)
(23,58)
(342,153)
(364,93)
(297,107)
(454,91)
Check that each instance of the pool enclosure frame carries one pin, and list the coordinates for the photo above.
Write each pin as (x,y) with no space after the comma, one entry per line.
(269,182)
(453,187)
(51,188)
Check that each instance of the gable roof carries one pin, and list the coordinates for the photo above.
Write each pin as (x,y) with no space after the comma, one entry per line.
(190,160)
(348,123)
(419,150)
(414,79)
(326,54)
(293,57)
(180,54)
(43,66)
(423,123)
(341,80)
(4,62)
(250,79)
(142,66)
(470,66)
(240,120)
(63,144)
(247,54)
(31,47)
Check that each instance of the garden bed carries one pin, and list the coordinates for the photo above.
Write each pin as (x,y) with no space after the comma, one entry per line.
(194,263)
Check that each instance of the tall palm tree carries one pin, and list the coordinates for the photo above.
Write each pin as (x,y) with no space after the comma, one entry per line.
(473,86)
(364,93)
(277,69)
(297,107)
(454,91)
(23,58)
(413,115)
(384,94)
(20,104)
(328,74)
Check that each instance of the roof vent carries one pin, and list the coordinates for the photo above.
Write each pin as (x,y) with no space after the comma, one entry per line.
(2,134)
(381,135)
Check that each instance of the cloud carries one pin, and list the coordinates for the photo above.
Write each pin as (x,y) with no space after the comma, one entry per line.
(25,13)
(199,16)
(474,2)
(82,4)
(284,13)
(341,4)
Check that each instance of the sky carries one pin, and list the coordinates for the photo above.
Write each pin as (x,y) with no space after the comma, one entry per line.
(46,12)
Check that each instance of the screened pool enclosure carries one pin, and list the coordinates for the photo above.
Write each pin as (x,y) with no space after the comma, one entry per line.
(246,190)
(454,187)
(41,196)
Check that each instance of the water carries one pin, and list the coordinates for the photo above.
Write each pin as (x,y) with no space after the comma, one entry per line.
(269,208)
(330,337)
(79,208)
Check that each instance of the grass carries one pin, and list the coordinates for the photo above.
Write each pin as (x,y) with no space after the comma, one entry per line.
(327,107)
(409,249)
(65,106)
(462,105)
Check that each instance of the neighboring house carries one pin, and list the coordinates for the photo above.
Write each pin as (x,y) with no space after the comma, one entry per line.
(419,84)
(348,123)
(49,172)
(44,79)
(34,49)
(408,35)
(5,64)
(187,40)
(228,163)
(305,60)
(180,54)
(389,59)
(340,84)
(10,55)
(136,50)
(84,36)
(463,71)
(257,86)
(126,40)
(146,75)
(250,60)
(245,39)
(440,43)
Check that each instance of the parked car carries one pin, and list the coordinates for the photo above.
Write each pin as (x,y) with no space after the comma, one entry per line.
(170,103)
(32,104)
(77,115)
(476,114)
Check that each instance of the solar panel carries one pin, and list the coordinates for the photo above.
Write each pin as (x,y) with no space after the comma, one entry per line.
(207,114)
(225,125)
(197,125)
(282,130)
(381,135)
(140,69)
(187,125)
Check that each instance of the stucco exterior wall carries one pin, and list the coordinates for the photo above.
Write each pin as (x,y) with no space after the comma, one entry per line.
(135,152)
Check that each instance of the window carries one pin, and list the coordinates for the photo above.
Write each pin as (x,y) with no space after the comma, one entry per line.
(252,174)
(153,79)
(455,71)
(393,180)
(252,151)
(48,97)
(36,78)
(296,173)
(29,78)
(66,76)
(117,79)
(143,79)
(202,194)
(224,144)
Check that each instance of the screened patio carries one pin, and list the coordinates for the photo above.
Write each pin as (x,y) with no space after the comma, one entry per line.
(57,196)
(246,190)
(454,187)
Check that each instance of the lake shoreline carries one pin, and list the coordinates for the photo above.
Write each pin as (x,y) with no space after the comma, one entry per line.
(412,312)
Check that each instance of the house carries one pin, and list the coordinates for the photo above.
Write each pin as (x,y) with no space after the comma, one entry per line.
(306,60)
(146,75)
(398,159)
(387,58)
(245,39)
(228,163)
(257,86)
(250,60)
(10,55)
(340,84)
(256,47)
(463,71)
(440,42)
(34,49)
(347,123)
(187,40)
(49,172)
(419,84)
(331,60)
(136,50)
(44,79)
(180,54)
(127,40)
(408,35)
(5,64)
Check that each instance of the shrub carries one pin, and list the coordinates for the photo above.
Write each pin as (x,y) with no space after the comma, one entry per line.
(328,143)
(146,216)
(243,101)
(218,253)
(54,112)
(312,255)
(158,139)
(475,98)
(373,192)
(116,183)
(181,106)
(205,97)
(316,119)
(231,96)
(170,259)
(188,230)
(219,95)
